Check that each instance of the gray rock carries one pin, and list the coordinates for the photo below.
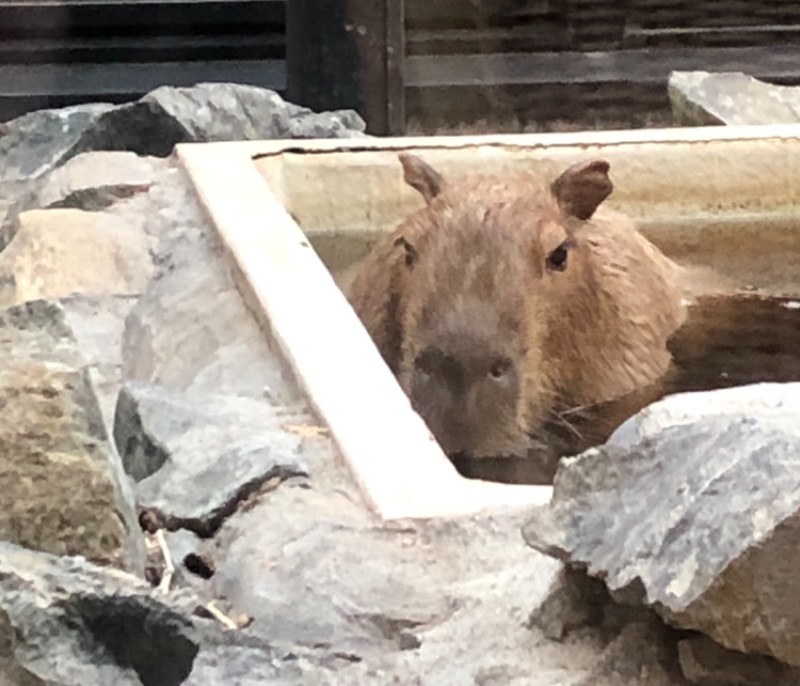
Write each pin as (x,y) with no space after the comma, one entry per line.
(446,598)
(58,252)
(94,181)
(706,663)
(576,601)
(98,322)
(70,493)
(245,666)
(191,329)
(195,456)
(692,507)
(643,654)
(91,181)
(40,141)
(329,586)
(700,98)
(208,112)
(15,197)
(73,624)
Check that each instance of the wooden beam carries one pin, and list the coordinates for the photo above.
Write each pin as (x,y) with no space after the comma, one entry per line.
(630,66)
(348,54)
(133,79)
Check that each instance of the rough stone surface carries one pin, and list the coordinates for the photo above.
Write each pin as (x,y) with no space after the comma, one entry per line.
(70,494)
(96,180)
(435,603)
(37,142)
(296,576)
(59,252)
(692,507)
(212,112)
(311,566)
(706,663)
(98,323)
(75,623)
(576,601)
(195,456)
(14,197)
(643,654)
(700,98)
(65,621)
(91,181)
(191,330)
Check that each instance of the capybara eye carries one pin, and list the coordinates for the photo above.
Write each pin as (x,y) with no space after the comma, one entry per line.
(499,368)
(557,260)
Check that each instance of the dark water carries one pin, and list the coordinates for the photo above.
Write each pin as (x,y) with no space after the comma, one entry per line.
(727,341)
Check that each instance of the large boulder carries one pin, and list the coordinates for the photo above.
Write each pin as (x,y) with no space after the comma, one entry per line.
(207,112)
(59,252)
(448,598)
(191,330)
(69,494)
(701,98)
(197,456)
(35,143)
(40,141)
(693,507)
(311,568)
(70,622)
(90,181)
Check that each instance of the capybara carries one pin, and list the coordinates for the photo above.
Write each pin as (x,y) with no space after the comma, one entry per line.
(506,305)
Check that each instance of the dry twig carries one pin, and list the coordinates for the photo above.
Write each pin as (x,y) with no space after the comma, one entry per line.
(169,567)
(219,615)
(307,430)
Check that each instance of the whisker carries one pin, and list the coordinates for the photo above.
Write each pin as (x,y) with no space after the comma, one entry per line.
(579,408)
(563,421)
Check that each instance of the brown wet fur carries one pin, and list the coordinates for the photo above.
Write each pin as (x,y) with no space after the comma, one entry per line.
(500,344)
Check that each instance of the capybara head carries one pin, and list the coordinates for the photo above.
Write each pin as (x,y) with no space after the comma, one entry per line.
(514,301)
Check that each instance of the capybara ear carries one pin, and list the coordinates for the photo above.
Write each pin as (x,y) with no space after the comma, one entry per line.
(411,251)
(581,188)
(418,174)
